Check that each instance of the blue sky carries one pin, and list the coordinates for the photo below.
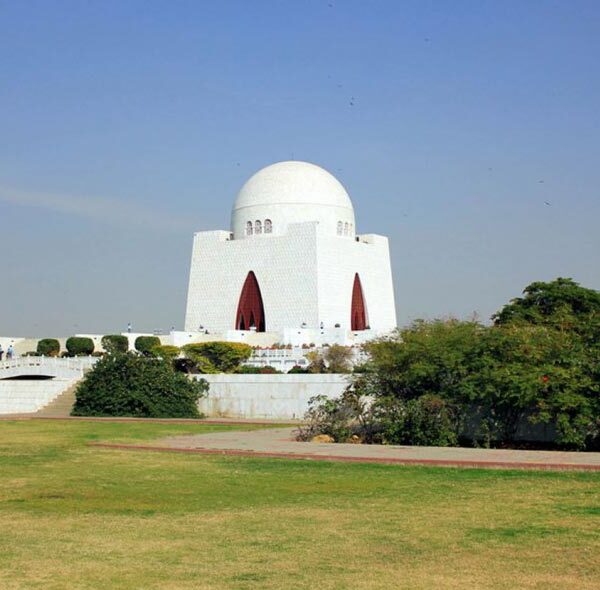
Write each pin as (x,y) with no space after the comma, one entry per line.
(473,142)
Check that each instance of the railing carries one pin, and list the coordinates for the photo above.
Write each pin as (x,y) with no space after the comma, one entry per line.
(46,366)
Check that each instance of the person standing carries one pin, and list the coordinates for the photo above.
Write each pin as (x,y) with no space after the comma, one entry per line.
(1,352)
(10,351)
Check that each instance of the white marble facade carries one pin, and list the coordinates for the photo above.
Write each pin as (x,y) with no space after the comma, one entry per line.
(293,226)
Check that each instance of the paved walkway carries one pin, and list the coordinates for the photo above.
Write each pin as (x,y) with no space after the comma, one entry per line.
(279,442)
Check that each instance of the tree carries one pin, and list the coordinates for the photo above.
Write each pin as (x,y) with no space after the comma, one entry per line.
(493,378)
(561,303)
(131,385)
(217,357)
(425,358)
(113,343)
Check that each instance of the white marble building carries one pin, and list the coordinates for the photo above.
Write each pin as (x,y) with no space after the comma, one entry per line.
(292,268)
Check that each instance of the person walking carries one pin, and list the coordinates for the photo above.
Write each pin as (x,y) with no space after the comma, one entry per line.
(1,352)
(10,351)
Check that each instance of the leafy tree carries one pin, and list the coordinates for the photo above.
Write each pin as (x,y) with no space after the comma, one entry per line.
(561,303)
(80,346)
(217,357)
(426,358)
(147,344)
(113,343)
(501,377)
(48,347)
(130,385)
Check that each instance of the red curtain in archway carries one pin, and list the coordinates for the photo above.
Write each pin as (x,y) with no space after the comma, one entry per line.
(358,309)
(250,312)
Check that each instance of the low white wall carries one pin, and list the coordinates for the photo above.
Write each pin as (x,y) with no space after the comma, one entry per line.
(22,396)
(267,396)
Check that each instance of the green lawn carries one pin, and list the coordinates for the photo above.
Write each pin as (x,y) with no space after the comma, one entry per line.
(73,516)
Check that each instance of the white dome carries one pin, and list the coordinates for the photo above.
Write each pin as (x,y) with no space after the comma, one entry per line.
(291,192)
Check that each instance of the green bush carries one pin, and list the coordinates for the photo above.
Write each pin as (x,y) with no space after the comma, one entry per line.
(250,370)
(113,343)
(131,385)
(147,344)
(217,357)
(334,417)
(299,370)
(80,346)
(167,352)
(48,347)
(427,420)
(436,381)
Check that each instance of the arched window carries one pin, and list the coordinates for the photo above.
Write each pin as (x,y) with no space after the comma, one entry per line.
(250,311)
(351,230)
(358,308)
(249,228)
(258,227)
(268,226)
(345,229)
(340,227)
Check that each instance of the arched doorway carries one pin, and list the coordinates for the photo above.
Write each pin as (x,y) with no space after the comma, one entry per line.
(250,311)
(358,309)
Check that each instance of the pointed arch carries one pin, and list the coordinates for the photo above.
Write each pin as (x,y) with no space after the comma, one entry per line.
(250,311)
(358,309)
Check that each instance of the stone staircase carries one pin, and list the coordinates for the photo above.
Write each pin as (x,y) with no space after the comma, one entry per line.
(61,406)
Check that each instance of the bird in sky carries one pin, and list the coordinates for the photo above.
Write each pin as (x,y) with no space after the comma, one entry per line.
(548,203)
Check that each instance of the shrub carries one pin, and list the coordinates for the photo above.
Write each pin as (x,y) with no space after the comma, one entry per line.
(130,385)
(113,343)
(298,369)
(250,370)
(147,344)
(316,362)
(80,346)
(333,417)
(48,347)
(427,420)
(338,359)
(167,352)
(217,357)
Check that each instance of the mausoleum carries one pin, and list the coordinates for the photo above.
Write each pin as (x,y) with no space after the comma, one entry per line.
(292,268)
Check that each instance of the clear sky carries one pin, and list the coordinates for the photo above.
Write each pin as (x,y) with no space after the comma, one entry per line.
(466,131)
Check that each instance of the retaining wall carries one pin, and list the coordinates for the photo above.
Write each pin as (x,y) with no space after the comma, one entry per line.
(267,396)
(24,396)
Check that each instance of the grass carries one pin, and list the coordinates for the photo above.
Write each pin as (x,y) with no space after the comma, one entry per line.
(73,516)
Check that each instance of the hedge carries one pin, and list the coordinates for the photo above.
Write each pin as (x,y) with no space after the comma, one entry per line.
(113,343)
(80,346)
(147,344)
(48,347)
